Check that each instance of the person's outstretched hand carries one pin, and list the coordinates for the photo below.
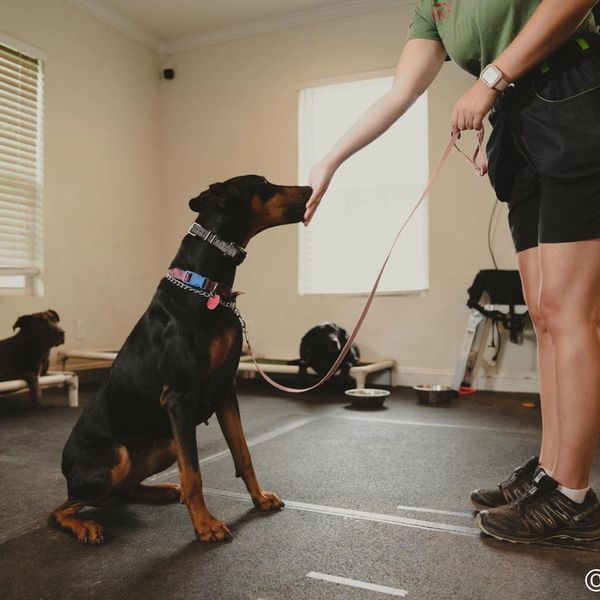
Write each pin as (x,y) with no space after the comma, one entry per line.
(319,180)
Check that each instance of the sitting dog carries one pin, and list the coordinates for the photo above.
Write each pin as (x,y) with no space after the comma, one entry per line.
(25,355)
(176,369)
(320,347)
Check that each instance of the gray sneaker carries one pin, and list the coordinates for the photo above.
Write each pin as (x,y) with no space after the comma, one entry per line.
(541,514)
(509,490)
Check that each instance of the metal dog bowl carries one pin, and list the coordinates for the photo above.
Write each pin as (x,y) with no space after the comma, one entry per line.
(367,397)
(433,394)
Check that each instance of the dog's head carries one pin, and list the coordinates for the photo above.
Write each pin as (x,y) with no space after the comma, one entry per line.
(322,344)
(327,338)
(244,206)
(42,328)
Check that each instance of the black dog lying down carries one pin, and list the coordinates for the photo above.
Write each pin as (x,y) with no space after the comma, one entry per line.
(26,354)
(321,346)
(176,369)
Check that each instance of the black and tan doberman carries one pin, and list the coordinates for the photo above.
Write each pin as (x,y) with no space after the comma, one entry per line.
(176,369)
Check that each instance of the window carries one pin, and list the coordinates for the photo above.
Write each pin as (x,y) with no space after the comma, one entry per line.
(369,197)
(21,167)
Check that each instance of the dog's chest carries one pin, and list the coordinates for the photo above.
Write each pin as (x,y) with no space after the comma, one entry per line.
(221,348)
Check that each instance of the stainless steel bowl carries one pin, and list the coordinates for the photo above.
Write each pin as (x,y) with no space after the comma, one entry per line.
(433,394)
(367,397)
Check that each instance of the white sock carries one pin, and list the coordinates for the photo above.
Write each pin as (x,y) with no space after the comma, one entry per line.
(577,496)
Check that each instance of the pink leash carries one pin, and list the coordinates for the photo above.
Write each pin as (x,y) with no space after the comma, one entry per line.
(479,165)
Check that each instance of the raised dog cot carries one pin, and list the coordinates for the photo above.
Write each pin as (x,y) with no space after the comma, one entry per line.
(66,379)
(359,372)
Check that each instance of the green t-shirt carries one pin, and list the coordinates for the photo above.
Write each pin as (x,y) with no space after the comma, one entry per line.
(475,32)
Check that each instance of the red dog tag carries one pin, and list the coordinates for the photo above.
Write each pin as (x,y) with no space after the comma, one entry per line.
(213,302)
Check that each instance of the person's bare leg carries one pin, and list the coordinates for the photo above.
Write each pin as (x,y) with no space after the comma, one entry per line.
(570,308)
(529,268)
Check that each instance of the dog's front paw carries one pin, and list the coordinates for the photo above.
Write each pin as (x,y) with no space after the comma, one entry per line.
(268,501)
(213,530)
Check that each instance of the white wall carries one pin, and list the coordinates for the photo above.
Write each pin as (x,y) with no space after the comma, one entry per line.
(102,171)
(232,109)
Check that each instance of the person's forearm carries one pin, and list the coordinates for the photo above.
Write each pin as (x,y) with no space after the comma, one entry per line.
(377,120)
(420,62)
(553,22)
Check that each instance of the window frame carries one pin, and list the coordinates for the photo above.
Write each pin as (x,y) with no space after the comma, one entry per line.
(341,79)
(34,283)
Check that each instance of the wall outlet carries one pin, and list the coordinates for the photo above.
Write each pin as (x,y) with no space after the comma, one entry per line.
(80,333)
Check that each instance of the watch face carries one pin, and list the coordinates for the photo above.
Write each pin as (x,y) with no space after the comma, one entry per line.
(491,76)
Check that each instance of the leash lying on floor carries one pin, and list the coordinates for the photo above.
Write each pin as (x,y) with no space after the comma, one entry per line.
(479,164)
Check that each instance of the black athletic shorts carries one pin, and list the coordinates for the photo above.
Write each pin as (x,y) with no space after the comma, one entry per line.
(545,210)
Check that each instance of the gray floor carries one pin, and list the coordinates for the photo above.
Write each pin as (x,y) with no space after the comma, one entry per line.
(377,497)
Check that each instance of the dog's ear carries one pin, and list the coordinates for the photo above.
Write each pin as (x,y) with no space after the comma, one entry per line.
(53,315)
(23,322)
(217,193)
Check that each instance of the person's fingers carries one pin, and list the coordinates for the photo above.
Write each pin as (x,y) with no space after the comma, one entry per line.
(454,121)
(310,214)
(477,122)
(316,195)
(311,206)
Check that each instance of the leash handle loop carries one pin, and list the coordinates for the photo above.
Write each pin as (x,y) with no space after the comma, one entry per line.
(479,164)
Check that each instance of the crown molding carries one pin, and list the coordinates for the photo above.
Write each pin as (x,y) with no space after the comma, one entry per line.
(297,19)
(227,34)
(119,22)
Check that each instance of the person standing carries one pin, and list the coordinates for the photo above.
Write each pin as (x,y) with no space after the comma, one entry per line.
(537,64)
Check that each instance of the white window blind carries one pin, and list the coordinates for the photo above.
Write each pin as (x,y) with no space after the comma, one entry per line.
(21,169)
(369,197)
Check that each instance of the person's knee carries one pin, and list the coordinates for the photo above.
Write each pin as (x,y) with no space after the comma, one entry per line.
(539,324)
(562,316)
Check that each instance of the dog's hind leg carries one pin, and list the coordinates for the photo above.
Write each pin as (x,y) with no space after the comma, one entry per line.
(86,531)
(89,483)
(228,414)
(146,462)
(160,492)
(181,410)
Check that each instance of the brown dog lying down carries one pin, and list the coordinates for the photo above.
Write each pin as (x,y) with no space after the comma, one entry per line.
(26,354)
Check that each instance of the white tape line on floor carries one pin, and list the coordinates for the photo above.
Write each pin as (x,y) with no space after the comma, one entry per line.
(390,591)
(260,439)
(358,514)
(435,511)
(432,424)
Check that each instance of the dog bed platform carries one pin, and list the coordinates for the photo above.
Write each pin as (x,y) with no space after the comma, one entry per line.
(52,379)
(87,355)
(360,372)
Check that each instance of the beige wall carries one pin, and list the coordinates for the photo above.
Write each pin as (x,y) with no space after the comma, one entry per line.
(117,185)
(232,109)
(102,170)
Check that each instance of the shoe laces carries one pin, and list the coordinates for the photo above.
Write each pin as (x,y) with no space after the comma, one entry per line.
(543,486)
(515,475)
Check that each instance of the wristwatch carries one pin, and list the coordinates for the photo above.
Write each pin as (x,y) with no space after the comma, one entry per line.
(493,77)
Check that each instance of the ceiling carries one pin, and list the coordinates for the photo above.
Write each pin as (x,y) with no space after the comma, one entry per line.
(173,19)
(173,25)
